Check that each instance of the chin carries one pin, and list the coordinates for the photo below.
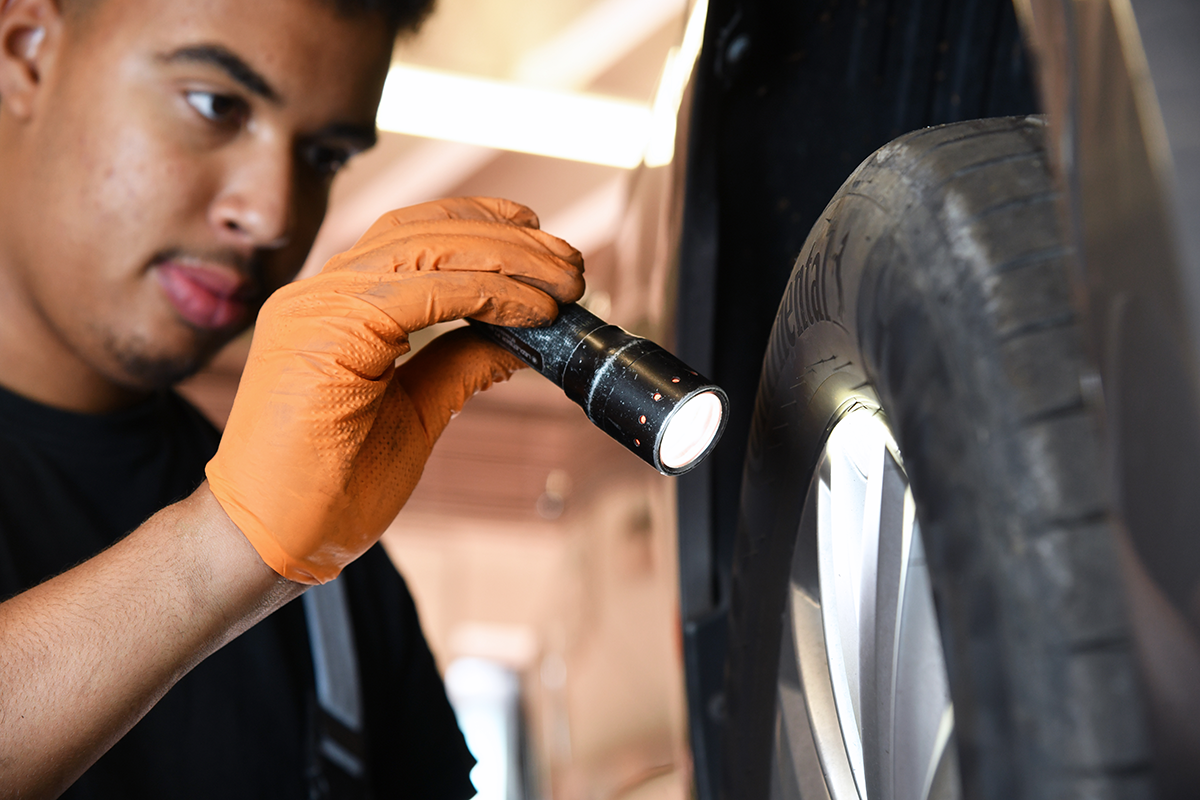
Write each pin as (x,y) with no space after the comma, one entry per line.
(151,373)
(140,367)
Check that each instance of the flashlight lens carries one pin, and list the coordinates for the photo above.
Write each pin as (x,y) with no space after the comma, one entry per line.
(690,430)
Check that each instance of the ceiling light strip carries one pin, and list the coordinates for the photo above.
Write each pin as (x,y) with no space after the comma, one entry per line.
(508,116)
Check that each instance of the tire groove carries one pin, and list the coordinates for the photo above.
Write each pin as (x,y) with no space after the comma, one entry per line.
(1020,202)
(1031,259)
(1100,644)
(1066,319)
(956,140)
(1083,520)
(1076,407)
(991,162)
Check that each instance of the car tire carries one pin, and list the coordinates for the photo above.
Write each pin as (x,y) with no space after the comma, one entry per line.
(935,290)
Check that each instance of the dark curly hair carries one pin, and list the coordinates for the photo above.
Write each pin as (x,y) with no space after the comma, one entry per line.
(401,15)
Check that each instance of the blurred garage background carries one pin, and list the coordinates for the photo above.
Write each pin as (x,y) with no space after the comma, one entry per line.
(542,555)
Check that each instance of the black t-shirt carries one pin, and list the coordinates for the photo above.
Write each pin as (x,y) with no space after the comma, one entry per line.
(239,725)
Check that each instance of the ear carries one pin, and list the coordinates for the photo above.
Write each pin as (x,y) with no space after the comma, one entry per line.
(30,33)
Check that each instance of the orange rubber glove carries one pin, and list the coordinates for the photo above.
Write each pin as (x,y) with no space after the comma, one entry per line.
(327,437)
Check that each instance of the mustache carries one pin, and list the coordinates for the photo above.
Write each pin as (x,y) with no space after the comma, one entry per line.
(251,265)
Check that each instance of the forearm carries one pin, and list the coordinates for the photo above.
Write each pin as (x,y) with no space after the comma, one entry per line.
(84,656)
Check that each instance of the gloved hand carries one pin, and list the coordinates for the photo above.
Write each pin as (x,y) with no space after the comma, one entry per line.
(327,437)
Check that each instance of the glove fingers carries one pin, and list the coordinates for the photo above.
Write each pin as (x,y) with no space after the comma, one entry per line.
(398,236)
(444,296)
(485,209)
(448,371)
(432,252)
(491,246)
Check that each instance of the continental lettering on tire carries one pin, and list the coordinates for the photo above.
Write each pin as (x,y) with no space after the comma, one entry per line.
(807,300)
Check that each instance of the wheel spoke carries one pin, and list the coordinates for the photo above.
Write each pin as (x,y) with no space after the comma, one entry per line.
(865,693)
(921,697)
(895,530)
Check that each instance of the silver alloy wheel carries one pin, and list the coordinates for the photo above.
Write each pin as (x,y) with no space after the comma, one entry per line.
(863,707)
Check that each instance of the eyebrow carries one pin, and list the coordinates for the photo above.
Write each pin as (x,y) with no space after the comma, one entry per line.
(228,62)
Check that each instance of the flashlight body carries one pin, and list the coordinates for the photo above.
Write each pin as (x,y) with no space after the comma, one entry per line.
(628,386)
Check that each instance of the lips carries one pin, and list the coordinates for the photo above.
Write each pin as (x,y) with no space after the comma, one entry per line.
(210,297)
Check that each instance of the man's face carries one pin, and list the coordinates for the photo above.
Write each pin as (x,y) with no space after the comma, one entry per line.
(176,169)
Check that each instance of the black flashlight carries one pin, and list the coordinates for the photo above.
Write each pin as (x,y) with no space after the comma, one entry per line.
(629,387)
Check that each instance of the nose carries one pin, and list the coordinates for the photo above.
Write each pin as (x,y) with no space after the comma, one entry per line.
(255,205)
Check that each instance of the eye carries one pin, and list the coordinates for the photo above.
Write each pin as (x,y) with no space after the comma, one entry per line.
(219,108)
(328,159)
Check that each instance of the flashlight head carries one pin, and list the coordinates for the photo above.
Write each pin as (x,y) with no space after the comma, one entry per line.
(658,407)
(692,430)
(647,399)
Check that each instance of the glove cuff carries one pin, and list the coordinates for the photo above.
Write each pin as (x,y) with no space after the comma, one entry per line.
(263,542)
